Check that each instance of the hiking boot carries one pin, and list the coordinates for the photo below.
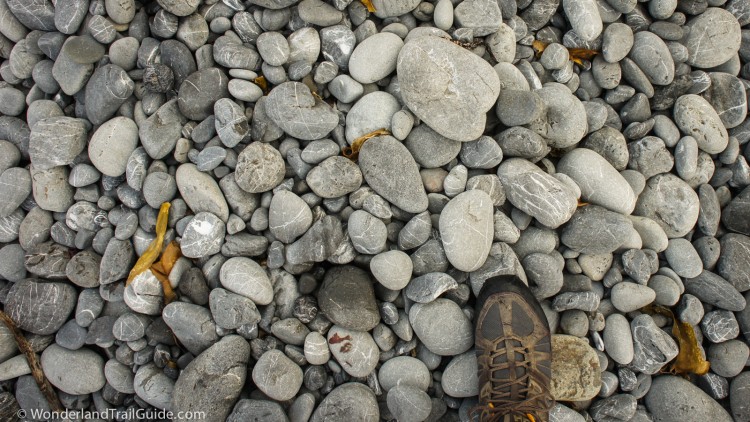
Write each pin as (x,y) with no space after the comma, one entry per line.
(513,348)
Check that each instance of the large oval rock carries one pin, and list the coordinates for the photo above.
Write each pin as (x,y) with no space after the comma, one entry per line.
(334,177)
(352,401)
(40,307)
(674,399)
(460,376)
(453,336)
(160,132)
(297,112)
(192,325)
(201,192)
(671,203)
(212,382)
(652,56)
(73,371)
(696,117)
(347,298)
(576,374)
(355,351)
(714,38)
(200,91)
(288,216)
(56,141)
(107,89)
(595,230)
(247,278)
(153,386)
(375,58)
(51,189)
(466,229)
(600,183)
(447,86)
(260,168)
(372,112)
(277,376)
(563,122)
(391,171)
(537,193)
(111,145)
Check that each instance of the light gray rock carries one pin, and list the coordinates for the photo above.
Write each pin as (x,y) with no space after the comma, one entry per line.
(671,203)
(372,112)
(160,132)
(73,371)
(683,258)
(652,56)
(453,337)
(56,141)
(112,144)
(245,277)
(408,403)
(466,229)
(696,117)
(40,307)
(653,348)
(213,380)
(201,192)
(334,177)
(355,351)
(673,399)
(375,58)
(367,233)
(392,269)
(144,294)
(628,297)
(713,39)
(563,122)
(288,216)
(203,236)
(600,183)
(277,376)
(584,18)
(482,17)
(578,236)
(349,401)
(427,67)
(192,325)
(153,386)
(260,168)
(297,112)
(618,340)
(404,370)
(460,376)
(346,297)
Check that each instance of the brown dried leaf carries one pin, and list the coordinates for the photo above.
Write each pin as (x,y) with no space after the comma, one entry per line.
(578,55)
(689,359)
(353,152)
(539,47)
(154,249)
(368,4)
(169,294)
(170,255)
(262,83)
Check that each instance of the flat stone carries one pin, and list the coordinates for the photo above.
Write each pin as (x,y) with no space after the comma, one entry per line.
(466,229)
(349,401)
(212,382)
(671,203)
(673,399)
(144,294)
(107,89)
(429,287)
(460,376)
(584,18)
(40,307)
(260,168)
(577,234)
(288,216)
(160,132)
(203,236)
(192,325)
(245,277)
(404,370)
(392,269)
(297,112)
(576,374)
(56,141)
(375,58)
(713,39)
(652,56)
(453,337)
(428,67)
(334,177)
(618,340)
(112,144)
(653,348)
(408,403)
(15,187)
(714,290)
(347,298)
(153,386)
(628,297)
(201,192)
(200,91)
(319,243)
(73,371)
(355,351)
(372,112)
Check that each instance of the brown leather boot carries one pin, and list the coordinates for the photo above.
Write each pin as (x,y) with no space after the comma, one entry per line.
(512,340)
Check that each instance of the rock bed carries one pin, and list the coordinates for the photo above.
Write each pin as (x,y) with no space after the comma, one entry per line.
(314,286)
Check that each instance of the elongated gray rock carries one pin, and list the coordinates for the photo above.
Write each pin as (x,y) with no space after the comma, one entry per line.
(466,229)
(600,183)
(390,170)
(537,193)
(107,89)
(674,399)
(111,145)
(596,230)
(447,87)
(347,298)
(212,382)
(696,117)
(201,192)
(583,16)
(288,216)
(297,112)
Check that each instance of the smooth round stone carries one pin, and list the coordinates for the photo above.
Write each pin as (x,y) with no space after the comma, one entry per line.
(203,236)
(713,39)
(73,371)
(245,277)
(153,386)
(288,216)
(683,258)
(616,42)
(349,401)
(653,347)
(11,262)
(13,101)
(652,56)
(576,373)
(408,403)
(56,141)
(160,132)
(673,399)
(15,187)
(83,50)
(245,90)
(566,110)
(107,89)
(392,269)
(404,370)
(71,335)
(144,294)
(618,340)
(316,349)
(372,112)
(111,145)
(577,234)
(428,67)
(696,117)
(739,396)
(628,297)
(430,149)
(248,409)
(355,351)
(346,297)
(159,187)
(231,311)
(260,168)
(390,170)
(671,203)
(212,382)
(735,253)
(273,48)
(728,359)
(726,97)
(375,58)
(200,91)
(179,7)
(124,53)
(584,18)
(297,112)
(517,107)
(484,153)
(40,307)
(466,229)
(428,287)
(460,376)
(600,183)
(201,192)
(334,177)
(551,202)
(192,325)
(367,233)
(453,337)
(119,376)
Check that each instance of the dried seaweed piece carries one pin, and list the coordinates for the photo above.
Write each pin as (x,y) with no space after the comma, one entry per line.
(578,55)
(262,83)
(689,359)
(154,249)
(368,4)
(353,152)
